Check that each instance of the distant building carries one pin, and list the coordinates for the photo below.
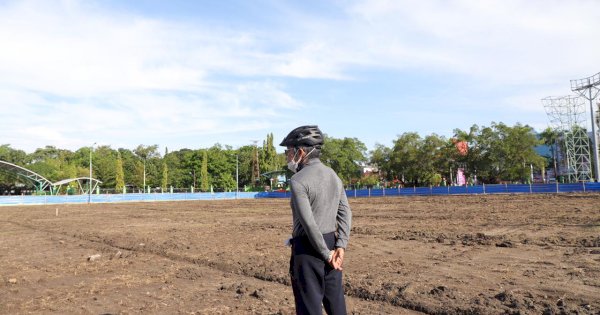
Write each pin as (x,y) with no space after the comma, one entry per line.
(369,169)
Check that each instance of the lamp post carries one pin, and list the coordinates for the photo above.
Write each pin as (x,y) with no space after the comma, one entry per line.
(237,173)
(531,173)
(90,181)
(193,173)
(144,175)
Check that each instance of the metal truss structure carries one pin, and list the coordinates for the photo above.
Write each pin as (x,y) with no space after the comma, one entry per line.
(43,184)
(567,115)
(40,182)
(589,88)
(79,180)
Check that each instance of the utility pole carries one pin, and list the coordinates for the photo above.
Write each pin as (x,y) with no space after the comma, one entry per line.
(255,166)
(144,175)
(90,181)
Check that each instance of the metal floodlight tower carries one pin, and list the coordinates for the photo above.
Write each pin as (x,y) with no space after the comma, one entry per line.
(589,88)
(567,115)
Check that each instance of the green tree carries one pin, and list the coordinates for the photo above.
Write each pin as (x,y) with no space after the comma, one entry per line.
(436,180)
(255,174)
(13,156)
(496,152)
(550,138)
(345,156)
(244,156)
(221,167)
(190,162)
(104,161)
(517,149)
(149,156)
(369,180)
(268,156)
(132,168)
(404,159)
(120,175)
(165,175)
(380,157)
(480,142)
(204,184)
(501,152)
(177,173)
(415,160)
(56,164)
(432,160)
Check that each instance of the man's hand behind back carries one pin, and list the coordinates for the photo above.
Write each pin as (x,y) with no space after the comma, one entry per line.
(337,259)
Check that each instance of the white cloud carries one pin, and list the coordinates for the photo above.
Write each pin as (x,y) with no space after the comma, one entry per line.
(500,42)
(313,60)
(139,118)
(77,70)
(74,51)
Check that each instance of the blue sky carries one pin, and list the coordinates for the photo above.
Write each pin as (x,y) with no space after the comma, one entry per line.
(189,74)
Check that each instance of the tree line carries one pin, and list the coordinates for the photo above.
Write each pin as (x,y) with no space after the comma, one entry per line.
(117,168)
(493,154)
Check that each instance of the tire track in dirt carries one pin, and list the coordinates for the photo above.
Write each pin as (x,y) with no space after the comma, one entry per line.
(479,238)
(427,261)
(350,289)
(391,293)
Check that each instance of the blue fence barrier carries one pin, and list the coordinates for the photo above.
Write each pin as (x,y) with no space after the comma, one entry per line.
(37,200)
(358,193)
(461,190)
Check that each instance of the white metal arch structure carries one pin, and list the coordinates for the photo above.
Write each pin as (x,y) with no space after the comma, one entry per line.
(79,180)
(41,182)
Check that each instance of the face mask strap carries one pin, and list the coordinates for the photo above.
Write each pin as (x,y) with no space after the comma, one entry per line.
(311,151)
(293,165)
(295,154)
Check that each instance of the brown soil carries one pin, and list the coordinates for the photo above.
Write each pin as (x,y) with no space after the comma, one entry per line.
(514,254)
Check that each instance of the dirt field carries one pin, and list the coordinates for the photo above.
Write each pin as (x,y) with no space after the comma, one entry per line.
(408,255)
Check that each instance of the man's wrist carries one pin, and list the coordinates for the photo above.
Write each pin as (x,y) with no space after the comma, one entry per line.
(330,255)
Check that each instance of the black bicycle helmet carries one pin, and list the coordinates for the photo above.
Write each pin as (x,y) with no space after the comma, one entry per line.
(309,136)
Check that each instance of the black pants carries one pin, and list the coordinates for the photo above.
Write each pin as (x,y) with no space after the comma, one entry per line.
(314,281)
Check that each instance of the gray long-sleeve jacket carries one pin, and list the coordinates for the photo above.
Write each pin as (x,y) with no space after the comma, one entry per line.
(319,206)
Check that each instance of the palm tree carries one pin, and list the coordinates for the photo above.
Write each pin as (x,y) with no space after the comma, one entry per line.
(550,136)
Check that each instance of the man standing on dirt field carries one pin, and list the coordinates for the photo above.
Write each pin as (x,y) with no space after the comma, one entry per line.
(321,225)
